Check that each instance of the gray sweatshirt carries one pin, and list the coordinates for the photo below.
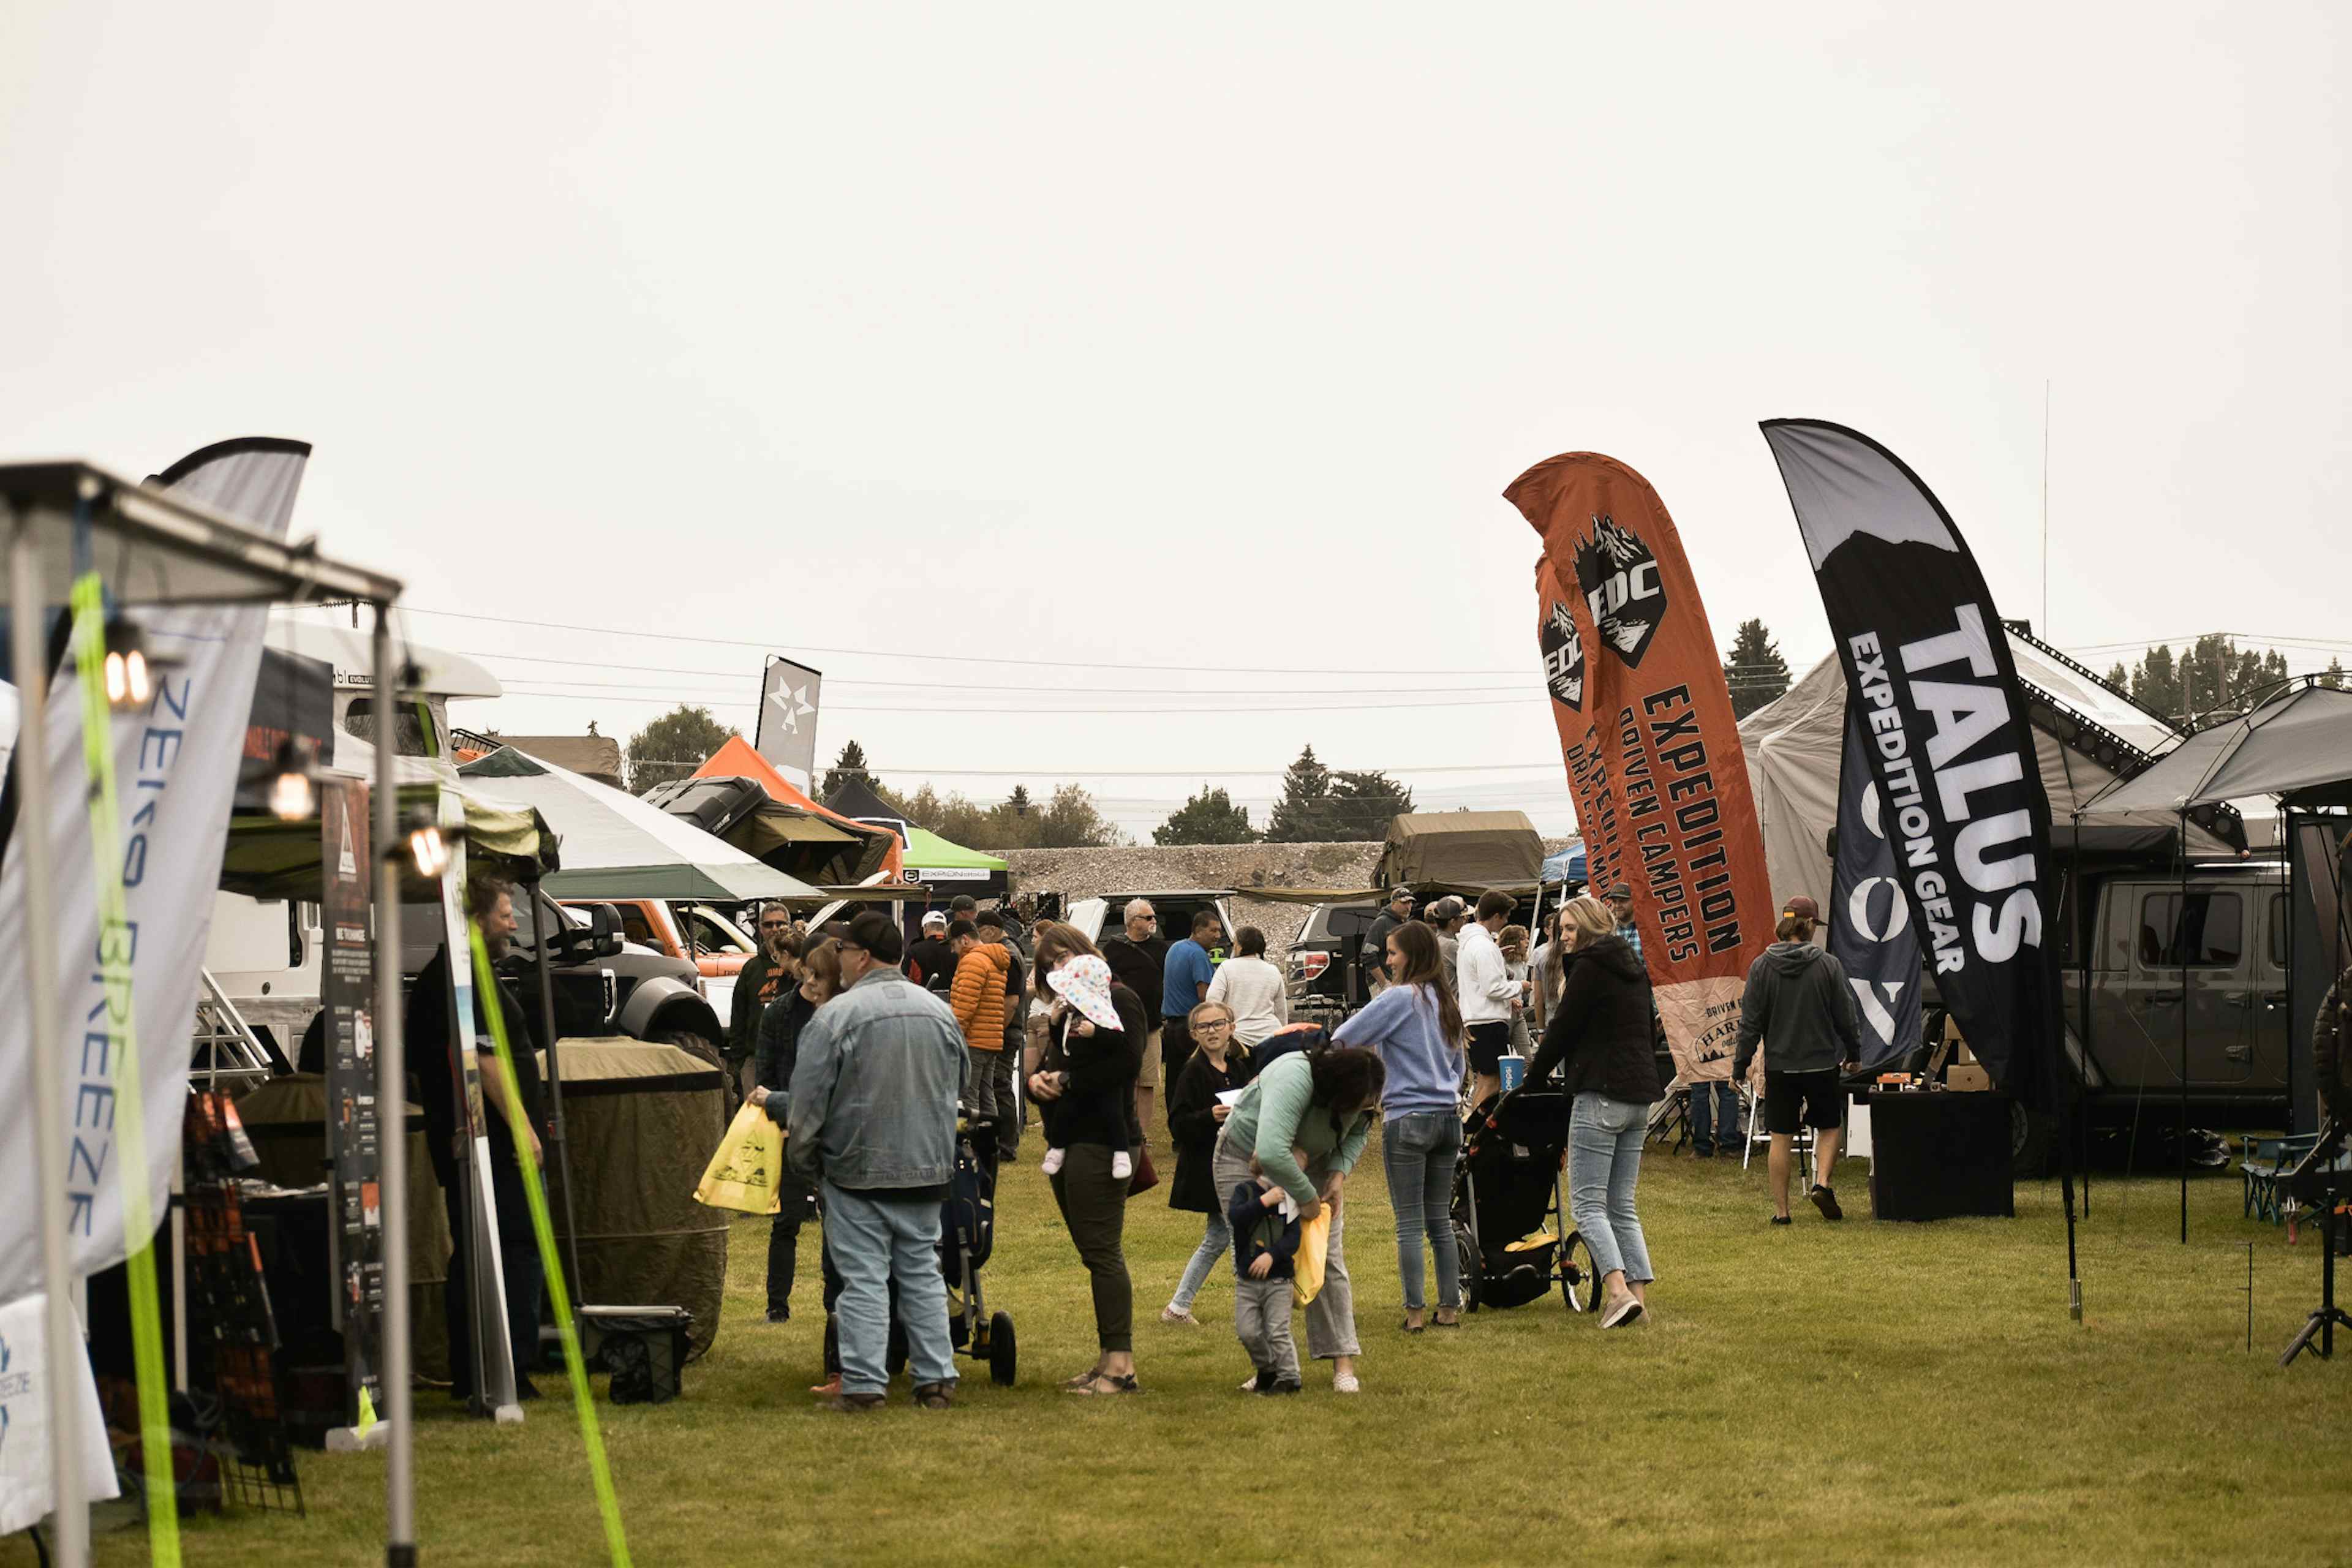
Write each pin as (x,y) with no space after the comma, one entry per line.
(1800,1008)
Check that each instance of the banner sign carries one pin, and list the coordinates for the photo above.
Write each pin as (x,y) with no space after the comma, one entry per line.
(26,1493)
(1929,675)
(346,990)
(1870,930)
(175,764)
(1651,749)
(785,733)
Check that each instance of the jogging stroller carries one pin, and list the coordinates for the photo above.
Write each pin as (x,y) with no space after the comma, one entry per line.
(967,1237)
(1510,1227)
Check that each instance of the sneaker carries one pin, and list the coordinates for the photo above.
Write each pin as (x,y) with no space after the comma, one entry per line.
(934,1396)
(1345,1383)
(1622,1312)
(1171,1314)
(1782,1219)
(852,1404)
(780,1314)
(1258,1383)
(829,1389)
(1051,1166)
(1280,1385)
(1826,1201)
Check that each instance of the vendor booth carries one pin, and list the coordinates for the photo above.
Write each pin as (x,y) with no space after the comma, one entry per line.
(739,796)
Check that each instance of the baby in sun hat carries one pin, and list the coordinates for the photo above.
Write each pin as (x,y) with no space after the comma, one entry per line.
(1083,1009)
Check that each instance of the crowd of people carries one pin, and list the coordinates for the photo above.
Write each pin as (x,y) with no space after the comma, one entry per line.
(868,1048)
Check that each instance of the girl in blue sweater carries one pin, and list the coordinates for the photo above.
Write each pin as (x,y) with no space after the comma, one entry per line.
(1415,1028)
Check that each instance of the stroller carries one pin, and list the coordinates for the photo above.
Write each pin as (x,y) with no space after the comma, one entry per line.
(967,1237)
(1510,1228)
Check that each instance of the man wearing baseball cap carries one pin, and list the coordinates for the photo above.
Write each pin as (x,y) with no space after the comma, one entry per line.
(1800,1010)
(1621,904)
(931,962)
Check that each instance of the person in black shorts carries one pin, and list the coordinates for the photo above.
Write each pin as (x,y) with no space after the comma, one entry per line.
(1487,994)
(1799,1010)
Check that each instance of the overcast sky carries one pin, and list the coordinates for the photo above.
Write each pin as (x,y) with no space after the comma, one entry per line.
(1193,339)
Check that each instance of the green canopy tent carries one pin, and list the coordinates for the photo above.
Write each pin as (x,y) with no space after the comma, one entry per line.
(952,868)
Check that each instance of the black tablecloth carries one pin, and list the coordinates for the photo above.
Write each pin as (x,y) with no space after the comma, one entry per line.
(1937,1154)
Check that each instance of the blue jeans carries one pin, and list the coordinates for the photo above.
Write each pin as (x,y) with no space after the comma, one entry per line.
(1604,1161)
(1216,1243)
(1420,1150)
(1714,1116)
(871,1242)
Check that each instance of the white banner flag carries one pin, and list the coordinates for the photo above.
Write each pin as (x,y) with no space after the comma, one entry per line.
(175,772)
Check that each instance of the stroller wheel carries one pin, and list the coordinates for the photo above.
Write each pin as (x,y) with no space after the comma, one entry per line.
(1579,1281)
(1001,1353)
(1466,1250)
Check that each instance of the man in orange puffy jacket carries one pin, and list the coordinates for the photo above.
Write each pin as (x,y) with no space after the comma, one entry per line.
(978,998)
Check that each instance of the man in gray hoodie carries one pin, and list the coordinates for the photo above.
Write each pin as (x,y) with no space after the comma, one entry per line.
(1799,997)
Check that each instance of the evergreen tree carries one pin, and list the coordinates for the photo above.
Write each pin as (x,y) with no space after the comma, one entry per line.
(1296,818)
(2333,678)
(1754,669)
(850,764)
(1208,817)
(673,745)
(1320,806)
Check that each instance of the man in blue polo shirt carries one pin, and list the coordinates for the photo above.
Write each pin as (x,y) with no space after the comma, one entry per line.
(1184,985)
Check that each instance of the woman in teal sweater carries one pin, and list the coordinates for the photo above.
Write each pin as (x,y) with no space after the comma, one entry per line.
(1321,1107)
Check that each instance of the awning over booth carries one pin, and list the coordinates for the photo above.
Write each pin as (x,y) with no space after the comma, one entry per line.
(618,846)
(2296,746)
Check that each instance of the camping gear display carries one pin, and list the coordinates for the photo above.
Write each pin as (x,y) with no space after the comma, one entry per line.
(1928,667)
(640,1117)
(1460,851)
(1870,930)
(495,1370)
(743,1174)
(1651,745)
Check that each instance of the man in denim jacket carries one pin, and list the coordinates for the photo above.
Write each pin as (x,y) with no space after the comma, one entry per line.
(873,1118)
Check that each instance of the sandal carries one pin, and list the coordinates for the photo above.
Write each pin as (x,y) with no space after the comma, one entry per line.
(1104,1384)
(1409,1326)
(1442,1322)
(1071,1384)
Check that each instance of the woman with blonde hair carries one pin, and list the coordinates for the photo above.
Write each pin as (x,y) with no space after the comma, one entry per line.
(1219,1064)
(1601,1035)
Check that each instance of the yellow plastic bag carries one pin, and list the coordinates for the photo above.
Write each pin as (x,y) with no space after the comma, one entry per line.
(745,1171)
(1306,1263)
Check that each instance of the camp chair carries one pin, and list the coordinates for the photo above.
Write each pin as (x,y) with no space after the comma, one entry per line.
(1800,1178)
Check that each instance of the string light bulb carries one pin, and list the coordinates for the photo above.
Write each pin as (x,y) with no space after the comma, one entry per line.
(426,849)
(292,795)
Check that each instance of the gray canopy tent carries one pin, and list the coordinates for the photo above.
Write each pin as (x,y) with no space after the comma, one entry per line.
(158,549)
(2294,748)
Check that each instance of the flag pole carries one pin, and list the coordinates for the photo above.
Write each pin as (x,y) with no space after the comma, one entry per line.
(392,1119)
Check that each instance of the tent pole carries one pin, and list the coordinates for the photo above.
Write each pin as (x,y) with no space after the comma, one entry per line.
(540,906)
(26,620)
(391,1123)
(2180,937)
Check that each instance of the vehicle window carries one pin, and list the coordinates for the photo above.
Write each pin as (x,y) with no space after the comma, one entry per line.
(526,922)
(2206,930)
(712,936)
(2278,931)
(408,730)
(637,928)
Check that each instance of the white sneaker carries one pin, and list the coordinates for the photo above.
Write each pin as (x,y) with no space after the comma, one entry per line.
(1122,1166)
(1051,1164)
(1345,1382)
(1173,1313)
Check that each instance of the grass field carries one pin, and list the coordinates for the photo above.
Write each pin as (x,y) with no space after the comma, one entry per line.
(1817,1393)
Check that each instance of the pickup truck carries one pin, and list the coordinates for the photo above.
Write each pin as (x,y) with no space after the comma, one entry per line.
(720,946)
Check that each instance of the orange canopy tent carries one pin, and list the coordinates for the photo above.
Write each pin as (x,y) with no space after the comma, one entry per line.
(737,759)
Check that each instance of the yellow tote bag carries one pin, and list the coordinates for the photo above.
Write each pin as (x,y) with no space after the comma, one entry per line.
(744,1174)
(1306,1264)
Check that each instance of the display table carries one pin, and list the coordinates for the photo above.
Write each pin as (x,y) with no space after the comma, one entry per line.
(1937,1154)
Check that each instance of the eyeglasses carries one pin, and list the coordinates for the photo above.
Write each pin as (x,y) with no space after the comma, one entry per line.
(1213,1029)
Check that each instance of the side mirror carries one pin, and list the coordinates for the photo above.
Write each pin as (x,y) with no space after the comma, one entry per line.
(603,933)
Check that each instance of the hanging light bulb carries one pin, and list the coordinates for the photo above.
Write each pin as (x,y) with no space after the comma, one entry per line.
(292,796)
(130,676)
(426,849)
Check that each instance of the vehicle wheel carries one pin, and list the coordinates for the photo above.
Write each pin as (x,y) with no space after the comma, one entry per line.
(2032,1142)
(1002,1355)
(1466,1250)
(695,1046)
(1579,1280)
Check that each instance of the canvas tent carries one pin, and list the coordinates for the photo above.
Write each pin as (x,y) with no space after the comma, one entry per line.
(2086,735)
(618,846)
(1461,851)
(786,829)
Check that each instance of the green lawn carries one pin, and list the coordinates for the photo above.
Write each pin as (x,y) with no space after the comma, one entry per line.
(1816,1394)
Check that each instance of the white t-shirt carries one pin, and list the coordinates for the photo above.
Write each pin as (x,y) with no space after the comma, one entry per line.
(1254,989)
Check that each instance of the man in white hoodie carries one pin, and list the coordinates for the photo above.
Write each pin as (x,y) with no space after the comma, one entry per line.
(1487,994)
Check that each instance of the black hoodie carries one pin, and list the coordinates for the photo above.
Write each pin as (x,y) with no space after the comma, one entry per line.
(1602,1026)
(1800,1008)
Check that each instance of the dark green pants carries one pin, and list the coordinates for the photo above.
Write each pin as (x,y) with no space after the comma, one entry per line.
(1094,1207)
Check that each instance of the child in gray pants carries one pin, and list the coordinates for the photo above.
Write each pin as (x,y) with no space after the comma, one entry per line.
(1265,1243)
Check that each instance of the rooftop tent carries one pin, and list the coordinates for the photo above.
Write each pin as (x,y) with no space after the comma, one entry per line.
(642,1118)
(618,846)
(266,858)
(1473,849)
(2085,735)
(781,830)
(2297,746)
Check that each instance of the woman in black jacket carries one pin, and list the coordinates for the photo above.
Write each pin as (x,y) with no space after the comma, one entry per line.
(1196,1116)
(779,1052)
(1085,1086)
(1602,1033)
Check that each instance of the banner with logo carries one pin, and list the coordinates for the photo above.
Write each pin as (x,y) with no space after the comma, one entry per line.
(785,733)
(175,762)
(27,1490)
(1928,673)
(1870,930)
(1651,749)
(347,992)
